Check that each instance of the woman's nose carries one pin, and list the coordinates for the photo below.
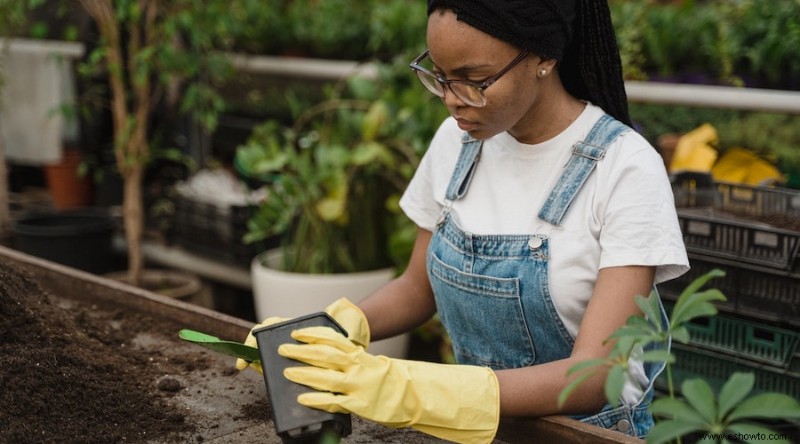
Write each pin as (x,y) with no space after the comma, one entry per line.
(451,100)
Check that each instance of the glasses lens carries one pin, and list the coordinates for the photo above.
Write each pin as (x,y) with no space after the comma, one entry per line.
(431,82)
(469,94)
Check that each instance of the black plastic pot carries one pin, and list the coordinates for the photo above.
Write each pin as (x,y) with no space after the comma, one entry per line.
(80,239)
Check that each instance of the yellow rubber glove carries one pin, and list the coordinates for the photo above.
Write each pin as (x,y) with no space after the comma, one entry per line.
(241,364)
(455,402)
(350,317)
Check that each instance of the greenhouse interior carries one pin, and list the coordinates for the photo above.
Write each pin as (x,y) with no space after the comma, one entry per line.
(191,191)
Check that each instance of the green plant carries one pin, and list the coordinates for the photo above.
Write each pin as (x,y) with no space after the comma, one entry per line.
(397,26)
(337,172)
(627,17)
(335,29)
(734,410)
(770,42)
(736,43)
(158,55)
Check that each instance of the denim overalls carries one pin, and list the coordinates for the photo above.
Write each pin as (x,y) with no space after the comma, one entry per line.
(492,291)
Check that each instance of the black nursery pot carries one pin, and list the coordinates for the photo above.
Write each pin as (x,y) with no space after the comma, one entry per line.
(80,239)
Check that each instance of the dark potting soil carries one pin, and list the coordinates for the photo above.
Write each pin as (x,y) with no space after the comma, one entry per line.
(73,371)
(70,373)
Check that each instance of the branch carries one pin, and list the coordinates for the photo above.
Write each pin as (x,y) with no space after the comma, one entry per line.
(105,17)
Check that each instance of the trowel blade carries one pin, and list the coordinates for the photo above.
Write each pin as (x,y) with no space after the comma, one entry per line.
(229,348)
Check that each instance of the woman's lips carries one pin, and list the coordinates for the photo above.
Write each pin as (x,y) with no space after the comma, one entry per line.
(466,125)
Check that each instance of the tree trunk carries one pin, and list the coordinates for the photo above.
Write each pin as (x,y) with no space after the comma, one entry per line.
(133,219)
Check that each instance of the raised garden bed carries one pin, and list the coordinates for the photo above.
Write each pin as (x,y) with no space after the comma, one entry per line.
(90,360)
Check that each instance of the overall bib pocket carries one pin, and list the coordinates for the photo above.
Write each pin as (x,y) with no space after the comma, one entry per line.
(477,340)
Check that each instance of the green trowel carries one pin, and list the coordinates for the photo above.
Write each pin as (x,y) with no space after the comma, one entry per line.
(229,348)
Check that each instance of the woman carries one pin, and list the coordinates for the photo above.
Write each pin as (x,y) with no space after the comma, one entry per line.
(541,216)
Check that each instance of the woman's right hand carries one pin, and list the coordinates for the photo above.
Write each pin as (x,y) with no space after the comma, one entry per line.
(344,312)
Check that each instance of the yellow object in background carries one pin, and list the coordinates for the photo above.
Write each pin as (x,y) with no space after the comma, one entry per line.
(740,165)
(695,150)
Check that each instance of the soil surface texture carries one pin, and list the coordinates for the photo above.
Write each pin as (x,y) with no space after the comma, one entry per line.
(71,373)
(79,372)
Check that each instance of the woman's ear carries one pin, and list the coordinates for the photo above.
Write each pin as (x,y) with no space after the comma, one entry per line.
(545,67)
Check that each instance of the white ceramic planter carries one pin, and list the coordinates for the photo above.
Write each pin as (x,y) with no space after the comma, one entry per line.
(285,294)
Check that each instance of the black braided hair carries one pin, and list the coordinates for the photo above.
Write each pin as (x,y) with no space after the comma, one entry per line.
(578,34)
(591,68)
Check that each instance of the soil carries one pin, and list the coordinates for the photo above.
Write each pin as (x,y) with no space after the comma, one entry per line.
(67,364)
(85,372)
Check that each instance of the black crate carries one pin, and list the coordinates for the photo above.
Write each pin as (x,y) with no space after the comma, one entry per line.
(214,231)
(701,190)
(715,368)
(694,189)
(758,201)
(758,293)
(713,233)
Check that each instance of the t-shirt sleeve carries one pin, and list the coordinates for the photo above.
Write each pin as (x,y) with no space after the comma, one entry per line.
(423,199)
(640,220)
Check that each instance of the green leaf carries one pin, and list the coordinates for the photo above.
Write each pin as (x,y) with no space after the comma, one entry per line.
(680,334)
(370,152)
(695,305)
(614,384)
(330,209)
(667,431)
(658,356)
(700,396)
(374,119)
(584,365)
(735,389)
(651,307)
(767,405)
(698,283)
(677,409)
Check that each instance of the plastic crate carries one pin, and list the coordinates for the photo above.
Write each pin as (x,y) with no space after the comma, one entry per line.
(693,190)
(758,293)
(214,231)
(715,368)
(713,233)
(746,339)
(758,201)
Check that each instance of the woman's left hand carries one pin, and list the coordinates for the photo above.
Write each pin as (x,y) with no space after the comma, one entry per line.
(455,402)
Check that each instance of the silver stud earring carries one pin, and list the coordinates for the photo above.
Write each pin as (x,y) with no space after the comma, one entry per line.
(542,72)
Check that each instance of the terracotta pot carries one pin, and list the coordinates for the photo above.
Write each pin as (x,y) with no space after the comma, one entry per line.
(67,188)
(667,143)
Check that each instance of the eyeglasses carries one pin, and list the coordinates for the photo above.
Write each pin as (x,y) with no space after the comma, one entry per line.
(469,92)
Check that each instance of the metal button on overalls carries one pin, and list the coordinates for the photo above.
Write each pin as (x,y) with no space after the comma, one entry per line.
(623,425)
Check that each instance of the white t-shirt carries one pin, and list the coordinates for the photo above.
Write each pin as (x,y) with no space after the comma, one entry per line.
(624,214)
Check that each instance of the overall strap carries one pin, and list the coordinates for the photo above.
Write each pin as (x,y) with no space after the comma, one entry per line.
(465,167)
(585,155)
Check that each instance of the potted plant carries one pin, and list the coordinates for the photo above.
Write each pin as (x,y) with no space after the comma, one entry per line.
(157,55)
(335,176)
